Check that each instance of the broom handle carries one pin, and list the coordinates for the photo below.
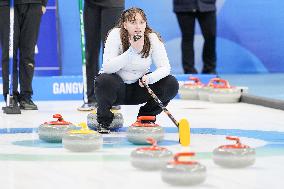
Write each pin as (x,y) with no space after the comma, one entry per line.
(11,50)
(83,42)
(161,104)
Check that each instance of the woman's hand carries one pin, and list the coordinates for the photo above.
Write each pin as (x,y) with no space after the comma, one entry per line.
(138,43)
(145,80)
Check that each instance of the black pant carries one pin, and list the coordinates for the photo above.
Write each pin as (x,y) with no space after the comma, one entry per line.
(26,29)
(111,90)
(207,21)
(98,21)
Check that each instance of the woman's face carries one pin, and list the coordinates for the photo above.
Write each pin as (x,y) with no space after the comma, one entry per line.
(135,26)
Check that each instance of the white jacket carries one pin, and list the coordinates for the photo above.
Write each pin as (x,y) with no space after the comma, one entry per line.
(130,66)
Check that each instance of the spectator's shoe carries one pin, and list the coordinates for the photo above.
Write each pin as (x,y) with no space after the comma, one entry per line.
(93,105)
(213,72)
(13,102)
(118,107)
(103,128)
(88,106)
(191,71)
(27,104)
(12,107)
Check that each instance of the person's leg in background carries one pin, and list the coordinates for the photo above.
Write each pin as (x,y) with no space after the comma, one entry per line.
(110,16)
(92,22)
(4,40)
(207,21)
(186,22)
(30,18)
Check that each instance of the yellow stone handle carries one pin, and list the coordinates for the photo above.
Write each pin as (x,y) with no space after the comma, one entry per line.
(84,130)
(83,125)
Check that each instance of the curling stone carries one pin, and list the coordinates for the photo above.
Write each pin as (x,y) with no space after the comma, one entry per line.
(234,156)
(117,121)
(150,158)
(204,91)
(222,92)
(53,131)
(180,172)
(84,140)
(190,89)
(144,128)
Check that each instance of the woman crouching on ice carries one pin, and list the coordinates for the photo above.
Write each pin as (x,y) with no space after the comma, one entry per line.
(130,49)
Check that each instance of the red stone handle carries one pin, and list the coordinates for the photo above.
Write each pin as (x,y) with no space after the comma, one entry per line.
(238,144)
(146,118)
(195,79)
(233,138)
(219,83)
(183,154)
(58,116)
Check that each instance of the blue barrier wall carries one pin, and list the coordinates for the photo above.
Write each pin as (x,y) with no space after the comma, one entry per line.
(71,87)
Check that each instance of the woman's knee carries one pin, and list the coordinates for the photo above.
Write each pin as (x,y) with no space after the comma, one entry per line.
(172,85)
(169,85)
(105,82)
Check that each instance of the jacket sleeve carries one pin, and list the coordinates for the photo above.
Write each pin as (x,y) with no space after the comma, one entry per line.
(113,61)
(160,59)
(44,2)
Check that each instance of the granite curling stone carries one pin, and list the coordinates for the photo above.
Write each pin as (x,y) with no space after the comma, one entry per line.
(53,131)
(144,128)
(222,92)
(181,172)
(84,140)
(204,91)
(190,89)
(234,156)
(116,123)
(150,158)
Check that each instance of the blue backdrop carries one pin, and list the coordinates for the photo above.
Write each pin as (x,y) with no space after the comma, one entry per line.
(249,36)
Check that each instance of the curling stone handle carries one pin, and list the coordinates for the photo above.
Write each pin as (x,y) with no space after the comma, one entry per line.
(152,141)
(58,116)
(146,118)
(195,79)
(215,82)
(237,145)
(154,146)
(183,154)
(212,81)
(233,138)
(83,125)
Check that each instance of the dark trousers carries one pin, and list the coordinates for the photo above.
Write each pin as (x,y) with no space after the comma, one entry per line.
(26,29)
(98,21)
(111,90)
(207,22)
